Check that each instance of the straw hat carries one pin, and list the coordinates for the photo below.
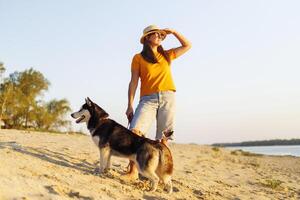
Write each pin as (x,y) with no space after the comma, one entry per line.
(152,29)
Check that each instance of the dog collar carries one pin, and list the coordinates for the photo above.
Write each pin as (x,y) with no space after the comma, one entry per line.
(92,130)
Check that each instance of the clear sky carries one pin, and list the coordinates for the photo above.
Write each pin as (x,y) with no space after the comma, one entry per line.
(240,81)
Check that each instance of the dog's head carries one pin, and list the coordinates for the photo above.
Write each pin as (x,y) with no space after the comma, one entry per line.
(89,111)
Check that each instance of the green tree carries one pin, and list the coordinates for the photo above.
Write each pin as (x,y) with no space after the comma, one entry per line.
(51,115)
(2,69)
(21,107)
(20,91)
(31,84)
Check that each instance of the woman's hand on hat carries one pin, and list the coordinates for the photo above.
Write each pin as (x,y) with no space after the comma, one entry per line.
(169,31)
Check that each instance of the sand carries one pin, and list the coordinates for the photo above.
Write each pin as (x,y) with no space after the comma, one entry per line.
(36,165)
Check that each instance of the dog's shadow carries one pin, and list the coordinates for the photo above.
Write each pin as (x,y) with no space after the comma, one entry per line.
(53,157)
(64,160)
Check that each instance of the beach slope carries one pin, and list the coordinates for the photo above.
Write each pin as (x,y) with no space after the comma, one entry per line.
(36,165)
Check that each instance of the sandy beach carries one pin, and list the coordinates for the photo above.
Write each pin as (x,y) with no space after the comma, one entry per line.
(36,165)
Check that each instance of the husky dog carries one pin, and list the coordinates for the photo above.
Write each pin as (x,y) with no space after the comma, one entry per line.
(152,158)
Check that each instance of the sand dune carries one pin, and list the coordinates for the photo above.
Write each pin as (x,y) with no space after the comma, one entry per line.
(36,165)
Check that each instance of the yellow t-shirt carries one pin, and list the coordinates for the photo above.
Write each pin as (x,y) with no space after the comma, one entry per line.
(155,77)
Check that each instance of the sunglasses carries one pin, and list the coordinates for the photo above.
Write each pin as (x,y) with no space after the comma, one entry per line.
(157,34)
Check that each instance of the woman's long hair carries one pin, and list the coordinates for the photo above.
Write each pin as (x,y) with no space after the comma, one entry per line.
(149,56)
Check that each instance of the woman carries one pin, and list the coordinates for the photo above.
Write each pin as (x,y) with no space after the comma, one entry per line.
(157,92)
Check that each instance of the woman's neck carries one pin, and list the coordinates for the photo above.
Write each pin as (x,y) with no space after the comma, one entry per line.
(153,48)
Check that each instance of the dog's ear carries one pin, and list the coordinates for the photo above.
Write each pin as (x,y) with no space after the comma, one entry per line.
(88,101)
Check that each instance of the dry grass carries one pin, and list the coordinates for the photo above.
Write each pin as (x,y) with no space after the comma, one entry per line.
(272,183)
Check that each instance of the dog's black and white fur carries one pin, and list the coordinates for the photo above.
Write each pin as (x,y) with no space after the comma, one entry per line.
(153,158)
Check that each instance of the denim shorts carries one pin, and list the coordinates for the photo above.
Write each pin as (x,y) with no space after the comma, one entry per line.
(158,106)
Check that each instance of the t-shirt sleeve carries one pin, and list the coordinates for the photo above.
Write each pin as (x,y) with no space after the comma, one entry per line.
(135,66)
(171,53)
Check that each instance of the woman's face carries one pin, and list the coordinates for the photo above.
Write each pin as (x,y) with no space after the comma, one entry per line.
(155,38)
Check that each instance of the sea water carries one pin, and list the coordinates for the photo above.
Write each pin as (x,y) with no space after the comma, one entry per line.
(280,150)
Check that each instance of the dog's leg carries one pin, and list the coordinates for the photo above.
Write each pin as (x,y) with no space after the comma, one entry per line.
(108,164)
(148,170)
(101,167)
(153,178)
(169,187)
(167,180)
(148,161)
(104,157)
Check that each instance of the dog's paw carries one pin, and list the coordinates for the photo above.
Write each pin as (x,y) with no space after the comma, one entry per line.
(153,186)
(169,189)
(105,173)
(153,189)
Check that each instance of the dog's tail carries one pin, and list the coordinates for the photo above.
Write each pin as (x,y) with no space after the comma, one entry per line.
(168,135)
